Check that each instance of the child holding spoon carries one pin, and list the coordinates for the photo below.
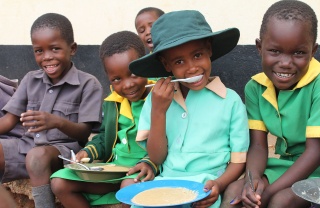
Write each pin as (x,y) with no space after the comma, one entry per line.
(196,131)
(115,142)
(282,100)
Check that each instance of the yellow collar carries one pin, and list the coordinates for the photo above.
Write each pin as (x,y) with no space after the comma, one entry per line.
(125,107)
(270,95)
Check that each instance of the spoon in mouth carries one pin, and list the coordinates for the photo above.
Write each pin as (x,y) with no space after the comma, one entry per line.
(187,80)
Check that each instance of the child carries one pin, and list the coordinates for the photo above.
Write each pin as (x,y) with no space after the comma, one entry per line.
(116,141)
(283,100)
(143,23)
(58,104)
(182,136)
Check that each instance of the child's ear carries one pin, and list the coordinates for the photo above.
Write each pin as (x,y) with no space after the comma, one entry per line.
(74,47)
(315,47)
(164,63)
(258,45)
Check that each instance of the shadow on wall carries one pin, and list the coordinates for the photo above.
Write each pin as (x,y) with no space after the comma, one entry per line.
(235,69)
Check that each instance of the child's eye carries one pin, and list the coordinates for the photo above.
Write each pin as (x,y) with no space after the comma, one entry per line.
(298,53)
(115,80)
(38,51)
(198,55)
(274,51)
(133,75)
(55,49)
(141,30)
(178,62)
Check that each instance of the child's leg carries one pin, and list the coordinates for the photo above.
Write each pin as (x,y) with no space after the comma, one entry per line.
(12,163)
(233,190)
(70,192)
(6,199)
(1,160)
(287,198)
(41,162)
(125,183)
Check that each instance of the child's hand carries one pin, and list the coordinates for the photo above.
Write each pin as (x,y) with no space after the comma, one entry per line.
(252,198)
(162,94)
(145,170)
(81,154)
(38,121)
(212,198)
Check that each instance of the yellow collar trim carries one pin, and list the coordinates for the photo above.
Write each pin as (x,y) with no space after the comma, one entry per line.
(270,93)
(125,107)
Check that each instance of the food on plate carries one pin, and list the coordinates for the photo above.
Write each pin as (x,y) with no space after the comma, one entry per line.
(164,196)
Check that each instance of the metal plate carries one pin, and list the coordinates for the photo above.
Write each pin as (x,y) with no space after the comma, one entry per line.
(308,189)
(110,171)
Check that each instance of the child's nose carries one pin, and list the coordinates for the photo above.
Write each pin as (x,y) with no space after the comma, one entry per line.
(285,60)
(47,55)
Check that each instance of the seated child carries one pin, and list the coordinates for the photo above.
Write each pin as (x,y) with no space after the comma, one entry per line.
(283,100)
(53,104)
(143,23)
(116,141)
(181,135)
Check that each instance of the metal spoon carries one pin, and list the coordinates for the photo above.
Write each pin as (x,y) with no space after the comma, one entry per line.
(82,165)
(188,80)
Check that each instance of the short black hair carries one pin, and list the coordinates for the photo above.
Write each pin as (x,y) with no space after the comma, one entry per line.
(120,42)
(158,11)
(57,22)
(291,10)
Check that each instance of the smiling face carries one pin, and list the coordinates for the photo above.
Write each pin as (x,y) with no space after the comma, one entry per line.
(143,26)
(122,80)
(52,52)
(188,60)
(286,49)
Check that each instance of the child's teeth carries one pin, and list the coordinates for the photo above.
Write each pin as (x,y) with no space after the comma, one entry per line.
(282,75)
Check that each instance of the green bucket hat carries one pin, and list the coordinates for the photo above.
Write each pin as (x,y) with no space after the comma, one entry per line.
(176,28)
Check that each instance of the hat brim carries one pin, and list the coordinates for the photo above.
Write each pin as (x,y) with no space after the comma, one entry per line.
(150,66)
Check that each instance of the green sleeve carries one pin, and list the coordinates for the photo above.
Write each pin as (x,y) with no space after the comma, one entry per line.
(96,148)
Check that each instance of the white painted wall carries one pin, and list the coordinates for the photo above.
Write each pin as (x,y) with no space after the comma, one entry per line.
(94,20)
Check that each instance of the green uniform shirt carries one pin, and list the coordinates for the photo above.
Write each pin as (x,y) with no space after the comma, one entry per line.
(292,117)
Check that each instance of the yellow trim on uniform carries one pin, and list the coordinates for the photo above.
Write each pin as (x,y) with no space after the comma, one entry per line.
(257,125)
(270,94)
(92,148)
(312,73)
(125,107)
(313,132)
(154,166)
(238,157)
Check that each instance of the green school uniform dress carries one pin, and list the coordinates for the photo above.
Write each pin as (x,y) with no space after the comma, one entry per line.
(205,132)
(114,144)
(293,117)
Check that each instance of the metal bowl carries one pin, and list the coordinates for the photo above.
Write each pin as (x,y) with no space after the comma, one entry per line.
(308,189)
(109,172)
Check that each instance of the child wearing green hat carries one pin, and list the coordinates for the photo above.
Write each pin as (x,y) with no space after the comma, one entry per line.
(196,131)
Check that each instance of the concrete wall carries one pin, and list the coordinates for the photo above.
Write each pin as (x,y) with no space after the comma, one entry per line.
(94,20)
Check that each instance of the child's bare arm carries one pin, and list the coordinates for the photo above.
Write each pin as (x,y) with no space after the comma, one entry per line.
(8,122)
(162,96)
(39,121)
(301,169)
(256,162)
